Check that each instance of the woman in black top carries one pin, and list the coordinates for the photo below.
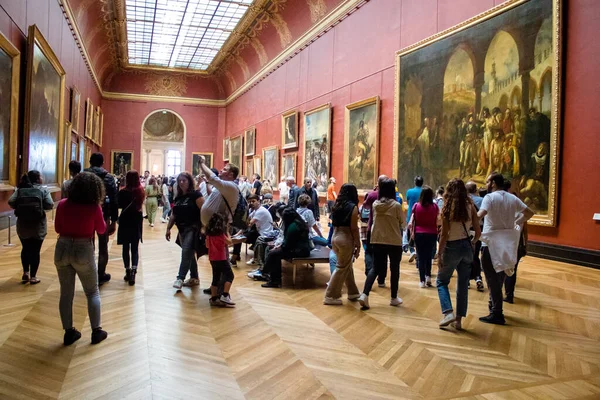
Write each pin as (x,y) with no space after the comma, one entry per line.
(186,215)
(130,200)
(346,245)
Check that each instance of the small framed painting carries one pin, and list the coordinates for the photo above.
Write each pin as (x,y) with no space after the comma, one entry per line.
(288,165)
(271,164)
(289,130)
(250,141)
(249,168)
(196,158)
(257,165)
(121,161)
(226,149)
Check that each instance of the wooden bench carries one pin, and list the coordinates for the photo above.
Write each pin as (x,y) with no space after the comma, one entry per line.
(318,255)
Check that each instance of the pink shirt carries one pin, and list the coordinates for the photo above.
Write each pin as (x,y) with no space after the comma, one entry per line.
(78,220)
(426,218)
(217,247)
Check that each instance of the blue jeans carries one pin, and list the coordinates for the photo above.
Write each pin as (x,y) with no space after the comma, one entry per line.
(425,243)
(458,256)
(187,239)
(405,243)
(166,209)
(319,241)
(332,261)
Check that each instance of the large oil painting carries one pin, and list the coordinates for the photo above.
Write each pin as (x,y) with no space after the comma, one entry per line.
(121,161)
(289,130)
(249,167)
(196,158)
(288,165)
(271,164)
(44,109)
(226,149)
(235,150)
(257,160)
(483,97)
(100,126)
(317,146)
(89,119)
(361,143)
(75,108)
(10,62)
(81,155)
(250,141)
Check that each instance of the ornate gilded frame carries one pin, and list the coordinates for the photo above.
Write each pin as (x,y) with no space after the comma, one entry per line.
(233,139)
(112,158)
(264,151)
(226,149)
(96,125)
(257,160)
(100,126)
(204,153)
(15,56)
(284,116)
(89,119)
(75,109)
(322,107)
(248,167)
(549,220)
(247,133)
(36,37)
(349,108)
(294,156)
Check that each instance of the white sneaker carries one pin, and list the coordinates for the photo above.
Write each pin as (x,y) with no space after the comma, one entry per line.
(412,257)
(428,281)
(363,299)
(151,225)
(422,285)
(164,221)
(252,273)
(396,302)
(448,319)
(227,301)
(330,301)
(178,284)
(251,261)
(353,297)
(191,282)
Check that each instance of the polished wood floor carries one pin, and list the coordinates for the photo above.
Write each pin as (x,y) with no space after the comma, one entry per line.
(285,344)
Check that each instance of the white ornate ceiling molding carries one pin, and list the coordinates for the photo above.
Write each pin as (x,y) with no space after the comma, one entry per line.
(167,99)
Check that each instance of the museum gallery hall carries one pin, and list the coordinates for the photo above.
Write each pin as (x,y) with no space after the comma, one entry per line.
(299,199)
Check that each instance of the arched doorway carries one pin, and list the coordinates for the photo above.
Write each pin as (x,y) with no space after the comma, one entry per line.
(163,143)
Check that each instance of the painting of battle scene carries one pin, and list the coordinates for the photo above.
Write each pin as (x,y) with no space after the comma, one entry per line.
(482,100)
(317,146)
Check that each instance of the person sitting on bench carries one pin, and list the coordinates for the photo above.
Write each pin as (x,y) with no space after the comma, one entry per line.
(314,231)
(261,224)
(265,243)
(295,245)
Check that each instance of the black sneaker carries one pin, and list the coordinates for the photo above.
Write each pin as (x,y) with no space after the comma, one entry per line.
(271,285)
(206,291)
(98,335)
(132,276)
(493,319)
(71,336)
(127,274)
(509,299)
(102,280)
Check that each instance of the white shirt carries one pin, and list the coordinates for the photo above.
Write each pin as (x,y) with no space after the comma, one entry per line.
(264,221)
(502,209)
(308,217)
(284,190)
(215,202)
(165,192)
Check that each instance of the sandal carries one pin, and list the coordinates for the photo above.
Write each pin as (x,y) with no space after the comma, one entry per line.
(33,280)
(25,278)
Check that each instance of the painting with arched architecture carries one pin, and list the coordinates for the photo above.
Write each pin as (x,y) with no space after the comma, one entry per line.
(483,97)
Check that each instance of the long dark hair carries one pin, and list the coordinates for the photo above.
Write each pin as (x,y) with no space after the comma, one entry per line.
(217,225)
(132,184)
(426,197)
(86,188)
(290,216)
(191,185)
(387,189)
(348,195)
(29,179)
(457,202)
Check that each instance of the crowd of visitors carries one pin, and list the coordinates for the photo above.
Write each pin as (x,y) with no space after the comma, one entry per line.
(219,209)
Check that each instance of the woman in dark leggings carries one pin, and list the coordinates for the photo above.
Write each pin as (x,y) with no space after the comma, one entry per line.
(130,200)
(30,202)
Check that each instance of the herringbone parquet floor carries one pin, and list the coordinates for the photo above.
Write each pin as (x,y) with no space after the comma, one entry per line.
(284,344)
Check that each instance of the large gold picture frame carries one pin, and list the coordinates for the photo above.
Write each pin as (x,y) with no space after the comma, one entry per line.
(100,126)
(257,161)
(289,130)
(497,78)
(270,164)
(226,149)
(249,167)
(250,142)
(236,150)
(9,106)
(43,142)
(209,158)
(96,125)
(289,165)
(317,141)
(89,119)
(75,106)
(361,143)
(121,161)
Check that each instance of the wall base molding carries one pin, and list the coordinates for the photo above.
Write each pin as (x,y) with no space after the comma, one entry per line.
(573,255)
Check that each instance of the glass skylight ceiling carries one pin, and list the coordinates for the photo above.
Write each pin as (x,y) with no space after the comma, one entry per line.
(180,33)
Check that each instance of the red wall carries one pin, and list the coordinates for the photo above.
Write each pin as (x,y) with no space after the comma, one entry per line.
(15,18)
(355,60)
(123,127)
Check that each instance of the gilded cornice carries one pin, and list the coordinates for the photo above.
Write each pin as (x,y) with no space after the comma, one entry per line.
(318,9)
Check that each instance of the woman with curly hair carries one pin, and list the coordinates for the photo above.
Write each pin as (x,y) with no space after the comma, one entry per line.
(78,218)
(186,215)
(346,245)
(456,250)
(129,235)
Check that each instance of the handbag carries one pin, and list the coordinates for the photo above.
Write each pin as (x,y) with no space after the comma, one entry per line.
(468,237)
(410,233)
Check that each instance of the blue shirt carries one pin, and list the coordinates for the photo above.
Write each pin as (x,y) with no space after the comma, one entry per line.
(477,200)
(412,197)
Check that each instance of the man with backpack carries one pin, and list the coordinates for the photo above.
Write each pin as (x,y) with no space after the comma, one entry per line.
(110,211)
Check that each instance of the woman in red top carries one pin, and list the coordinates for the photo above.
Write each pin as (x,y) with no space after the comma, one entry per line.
(423,223)
(77,219)
(130,200)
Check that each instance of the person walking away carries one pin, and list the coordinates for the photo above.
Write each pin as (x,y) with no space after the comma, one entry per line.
(504,215)
(331,194)
(217,241)
(284,190)
(424,224)
(476,266)
(30,202)
(166,201)
(152,195)
(129,235)
(366,213)
(110,210)
(386,239)
(412,197)
(78,218)
(74,169)
(346,245)
(186,215)
(456,250)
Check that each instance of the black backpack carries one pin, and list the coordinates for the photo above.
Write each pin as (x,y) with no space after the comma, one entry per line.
(29,205)
(240,214)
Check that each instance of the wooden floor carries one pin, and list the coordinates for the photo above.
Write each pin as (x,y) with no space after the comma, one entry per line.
(285,344)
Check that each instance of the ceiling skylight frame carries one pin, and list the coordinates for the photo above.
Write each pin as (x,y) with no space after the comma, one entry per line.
(180,34)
